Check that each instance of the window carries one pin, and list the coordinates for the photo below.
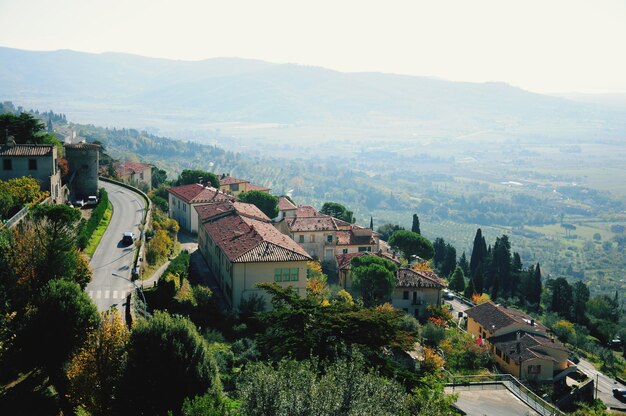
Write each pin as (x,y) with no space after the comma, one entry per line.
(141,176)
(7,164)
(234,187)
(301,238)
(312,238)
(344,251)
(362,249)
(405,294)
(32,164)
(534,369)
(498,353)
(329,238)
(286,275)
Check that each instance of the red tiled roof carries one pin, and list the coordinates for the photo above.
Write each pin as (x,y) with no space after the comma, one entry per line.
(528,347)
(26,150)
(347,238)
(82,145)
(253,187)
(344,259)
(285,205)
(229,180)
(494,317)
(245,240)
(196,193)
(223,207)
(319,223)
(418,278)
(306,211)
(129,168)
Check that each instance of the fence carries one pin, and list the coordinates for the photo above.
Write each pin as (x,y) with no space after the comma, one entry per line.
(495,381)
(12,222)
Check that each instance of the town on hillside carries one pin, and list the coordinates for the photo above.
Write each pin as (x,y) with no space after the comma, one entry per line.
(266,288)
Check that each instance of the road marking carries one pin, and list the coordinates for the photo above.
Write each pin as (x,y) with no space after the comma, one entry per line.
(91,294)
(98,293)
(106,294)
(115,294)
(123,294)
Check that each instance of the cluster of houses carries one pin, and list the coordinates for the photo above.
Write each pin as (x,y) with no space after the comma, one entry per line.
(520,345)
(243,247)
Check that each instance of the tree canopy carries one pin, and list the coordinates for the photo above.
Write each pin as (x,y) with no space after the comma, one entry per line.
(412,244)
(374,277)
(386,230)
(337,210)
(267,203)
(189,176)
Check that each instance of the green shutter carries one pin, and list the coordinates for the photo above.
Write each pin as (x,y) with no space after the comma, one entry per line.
(277,275)
(294,275)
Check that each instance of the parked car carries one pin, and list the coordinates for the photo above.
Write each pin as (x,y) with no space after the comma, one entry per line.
(92,200)
(128,238)
(448,295)
(620,394)
(79,203)
(615,343)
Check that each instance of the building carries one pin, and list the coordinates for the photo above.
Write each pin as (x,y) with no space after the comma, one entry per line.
(183,199)
(242,248)
(39,161)
(134,173)
(520,345)
(323,236)
(286,208)
(235,186)
(83,160)
(416,290)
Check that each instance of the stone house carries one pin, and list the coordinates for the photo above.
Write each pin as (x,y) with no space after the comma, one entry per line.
(235,186)
(183,199)
(134,173)
(242,248)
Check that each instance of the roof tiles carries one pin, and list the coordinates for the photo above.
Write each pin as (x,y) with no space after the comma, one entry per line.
(196,193)
(26,150)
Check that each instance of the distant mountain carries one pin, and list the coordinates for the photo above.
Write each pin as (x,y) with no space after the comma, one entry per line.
(242,90)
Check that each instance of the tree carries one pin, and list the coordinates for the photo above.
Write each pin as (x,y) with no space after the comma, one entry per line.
(469,289)
(464,264)
(189,176)
(159,177)
(24,127)
(96,369)
(412,244)
(64,316)
(479,251)
(267,203)
(478,278)
(449,261)
(457,282)
(386,230)
(580,293)
(374,277)
(501,268)
(168,360)
(416,224)
(338,211)
(536,287)
(561,297)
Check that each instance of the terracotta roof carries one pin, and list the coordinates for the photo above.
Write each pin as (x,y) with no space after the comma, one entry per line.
(348,238)
(82,145)
(253,187)
(319,223)
(26,150)
(223,207)
(129,168)
(418,278)
(343,260)
(248,240)
(196,193)
(229,180)
(306,211)
(285,205)
(528,347)
(494,317)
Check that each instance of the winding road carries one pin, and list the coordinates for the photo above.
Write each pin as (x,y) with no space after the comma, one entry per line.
(112,262)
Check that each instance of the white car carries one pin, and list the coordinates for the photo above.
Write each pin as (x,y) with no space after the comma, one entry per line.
(92,200)
(79,203)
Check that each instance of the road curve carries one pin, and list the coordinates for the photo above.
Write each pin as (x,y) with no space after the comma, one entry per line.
(112,262)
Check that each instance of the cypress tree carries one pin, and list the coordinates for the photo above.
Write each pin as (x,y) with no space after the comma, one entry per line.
(469,289)
(464,264)
(371,223)
(457,282)
(478,254)
(479,279)
(416,224)
(536,286)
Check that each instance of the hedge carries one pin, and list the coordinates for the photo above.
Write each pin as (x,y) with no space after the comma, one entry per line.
(88,227)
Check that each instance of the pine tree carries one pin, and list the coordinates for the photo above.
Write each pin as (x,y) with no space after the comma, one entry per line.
(416,224)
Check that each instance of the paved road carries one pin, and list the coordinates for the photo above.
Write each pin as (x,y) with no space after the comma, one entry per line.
(112,261)
(491,402)
(605,384)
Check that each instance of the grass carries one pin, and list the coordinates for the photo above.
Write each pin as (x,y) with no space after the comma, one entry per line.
(97,235)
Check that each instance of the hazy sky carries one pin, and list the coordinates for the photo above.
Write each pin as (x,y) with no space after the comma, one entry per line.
(544,46)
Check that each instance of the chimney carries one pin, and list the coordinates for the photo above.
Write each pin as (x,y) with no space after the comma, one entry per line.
(517,335)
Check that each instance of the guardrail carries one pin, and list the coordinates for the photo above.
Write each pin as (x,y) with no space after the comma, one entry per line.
(511,383)
(12,222)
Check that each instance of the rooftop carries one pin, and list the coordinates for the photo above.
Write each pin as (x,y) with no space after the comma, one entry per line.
(26,150)
(285,205)
(215,209)
(197,193)
(493,316)
(418,278)
(82,145)
(130,168)
(248,240)
(528,347)
(349,238)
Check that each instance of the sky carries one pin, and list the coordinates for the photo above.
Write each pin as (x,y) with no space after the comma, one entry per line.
(547,46)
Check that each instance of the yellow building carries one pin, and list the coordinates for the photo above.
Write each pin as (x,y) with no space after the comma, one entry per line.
(183,199)
(520,345)
(235,186)
(243,249)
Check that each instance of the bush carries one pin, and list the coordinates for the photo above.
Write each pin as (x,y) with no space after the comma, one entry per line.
(87,228)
